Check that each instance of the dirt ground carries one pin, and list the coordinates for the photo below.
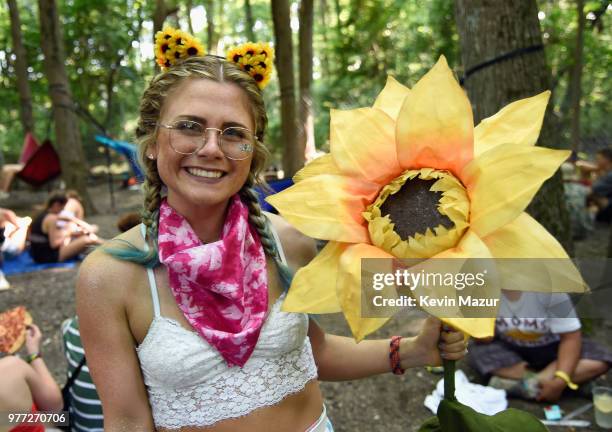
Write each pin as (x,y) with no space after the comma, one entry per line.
(384,403)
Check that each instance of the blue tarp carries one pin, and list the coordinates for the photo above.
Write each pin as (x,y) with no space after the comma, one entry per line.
(23,263)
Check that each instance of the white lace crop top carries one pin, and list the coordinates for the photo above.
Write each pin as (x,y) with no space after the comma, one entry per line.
(190,384)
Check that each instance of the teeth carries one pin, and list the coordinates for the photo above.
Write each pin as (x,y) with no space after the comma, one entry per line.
(204,173)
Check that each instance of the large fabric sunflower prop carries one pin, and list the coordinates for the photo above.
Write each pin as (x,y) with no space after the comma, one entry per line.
(371,197)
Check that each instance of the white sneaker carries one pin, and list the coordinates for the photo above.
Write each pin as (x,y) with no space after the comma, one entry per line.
(4,284)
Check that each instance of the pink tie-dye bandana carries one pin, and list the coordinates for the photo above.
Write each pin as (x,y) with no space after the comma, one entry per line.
(221,287)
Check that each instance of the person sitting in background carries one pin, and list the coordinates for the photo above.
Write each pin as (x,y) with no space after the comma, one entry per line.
(602,186)
(50,243)
(576,199)
(548,341)
(28,386)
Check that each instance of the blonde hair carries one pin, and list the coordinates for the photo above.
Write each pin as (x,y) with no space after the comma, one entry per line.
(153,98)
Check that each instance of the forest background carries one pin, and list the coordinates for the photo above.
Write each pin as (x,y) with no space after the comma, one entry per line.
(330,54)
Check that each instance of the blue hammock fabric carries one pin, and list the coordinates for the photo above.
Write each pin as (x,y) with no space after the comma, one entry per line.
(276,186)
(23,263)
(130,151)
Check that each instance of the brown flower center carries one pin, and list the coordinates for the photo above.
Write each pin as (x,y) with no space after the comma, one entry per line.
(414,208)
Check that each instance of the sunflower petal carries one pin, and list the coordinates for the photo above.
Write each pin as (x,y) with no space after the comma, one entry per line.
(517,123)
(392,97)
(435,125)
(327,207)
(471,246)
(502,181)
(525,238)
(321,165)
(313,289)
(362,144)
(349,289)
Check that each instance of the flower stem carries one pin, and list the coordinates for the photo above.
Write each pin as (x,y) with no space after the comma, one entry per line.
(449,380)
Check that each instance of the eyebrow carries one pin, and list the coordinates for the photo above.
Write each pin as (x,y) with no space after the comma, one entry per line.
(203,121)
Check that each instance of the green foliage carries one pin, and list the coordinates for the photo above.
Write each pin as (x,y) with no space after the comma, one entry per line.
(559,25)
(356,44)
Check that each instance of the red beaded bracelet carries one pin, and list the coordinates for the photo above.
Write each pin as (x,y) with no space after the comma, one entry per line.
(394,355)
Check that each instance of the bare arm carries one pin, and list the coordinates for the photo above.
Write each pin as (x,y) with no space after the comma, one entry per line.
(109,344)
(340,358)
(568,355)
(569,351)
(44,389)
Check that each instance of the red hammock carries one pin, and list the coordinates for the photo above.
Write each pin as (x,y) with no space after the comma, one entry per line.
(41,163)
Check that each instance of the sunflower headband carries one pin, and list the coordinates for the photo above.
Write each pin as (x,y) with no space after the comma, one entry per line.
(173,45)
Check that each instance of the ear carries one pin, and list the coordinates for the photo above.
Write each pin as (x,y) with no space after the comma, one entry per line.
(151,152)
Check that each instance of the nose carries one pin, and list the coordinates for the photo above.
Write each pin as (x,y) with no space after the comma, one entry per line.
(210,147)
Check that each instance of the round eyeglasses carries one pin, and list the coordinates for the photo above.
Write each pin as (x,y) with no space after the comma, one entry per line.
(188,137)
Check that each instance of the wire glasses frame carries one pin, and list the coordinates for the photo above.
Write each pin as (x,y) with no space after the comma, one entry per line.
(188,137)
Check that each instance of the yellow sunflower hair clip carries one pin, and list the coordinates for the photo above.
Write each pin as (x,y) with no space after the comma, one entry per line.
(173,45)
(256,59)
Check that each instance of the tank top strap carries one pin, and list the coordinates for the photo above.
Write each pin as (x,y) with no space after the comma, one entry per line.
(151,275)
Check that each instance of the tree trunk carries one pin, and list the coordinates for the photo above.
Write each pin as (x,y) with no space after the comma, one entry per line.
(488,29)
(67,135)
(293,156)
(306,126)
(21,70)
(189,6)
(210,26)
(250,23)
(576,82)
(159,16)
(324,25)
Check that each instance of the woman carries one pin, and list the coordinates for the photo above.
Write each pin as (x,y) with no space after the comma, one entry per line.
(28,387)
(159,342)
(50,243)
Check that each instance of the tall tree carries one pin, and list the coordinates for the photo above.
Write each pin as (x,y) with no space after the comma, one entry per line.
(488,29)
(21,70)
(576,76)
(293,155)
(211,33)
(161,12)
(306,125)
(189,6)
(249,22)
(67,135)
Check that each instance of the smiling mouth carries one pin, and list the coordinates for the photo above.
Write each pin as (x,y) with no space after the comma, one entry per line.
(198,172)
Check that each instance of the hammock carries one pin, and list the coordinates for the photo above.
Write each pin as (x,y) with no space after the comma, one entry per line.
(130,151)
(40,163)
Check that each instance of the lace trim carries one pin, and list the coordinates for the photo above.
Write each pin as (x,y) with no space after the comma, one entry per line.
(262,382)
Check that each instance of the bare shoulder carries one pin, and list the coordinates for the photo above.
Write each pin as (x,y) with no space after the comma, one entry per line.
(101,274)
(299,248)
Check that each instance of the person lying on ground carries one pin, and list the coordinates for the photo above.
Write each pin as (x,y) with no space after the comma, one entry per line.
(50,243)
